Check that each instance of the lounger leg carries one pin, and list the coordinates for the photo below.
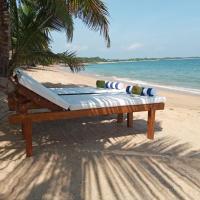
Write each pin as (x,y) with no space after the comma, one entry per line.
(120,118)
(22,127)
(130,120)
(22,111)
(27,131)
(150,124)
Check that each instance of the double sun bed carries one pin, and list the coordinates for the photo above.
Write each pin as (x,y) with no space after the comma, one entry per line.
(33,102)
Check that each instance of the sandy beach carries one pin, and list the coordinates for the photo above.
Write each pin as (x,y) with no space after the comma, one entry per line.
(96,158)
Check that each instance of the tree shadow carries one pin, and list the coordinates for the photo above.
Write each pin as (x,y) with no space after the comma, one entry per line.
(61,85)
(96,158)
(40,68)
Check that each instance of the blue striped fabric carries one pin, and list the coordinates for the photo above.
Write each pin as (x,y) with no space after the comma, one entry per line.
(145,91)
(114,85)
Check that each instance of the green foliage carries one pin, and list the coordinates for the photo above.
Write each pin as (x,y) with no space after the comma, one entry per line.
(33,20)
(98,59)
(91,59)
(93,13)
(70,60)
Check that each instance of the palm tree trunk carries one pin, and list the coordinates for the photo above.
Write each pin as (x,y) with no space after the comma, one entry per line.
(4,38)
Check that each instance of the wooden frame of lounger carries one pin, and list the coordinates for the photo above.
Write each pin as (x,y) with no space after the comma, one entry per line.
(22,100)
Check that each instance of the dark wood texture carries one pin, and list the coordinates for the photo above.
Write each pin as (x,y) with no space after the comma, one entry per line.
(150,123)
(27,129)
(56,115)
(130,120)
(36,99)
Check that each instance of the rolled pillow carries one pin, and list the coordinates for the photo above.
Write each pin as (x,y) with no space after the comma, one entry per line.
(137,90)
(134,89)
(149,92)
(114,85)
(100,84)
(140,90)
(119,86)
(129,89)
(108,84)
(144,92)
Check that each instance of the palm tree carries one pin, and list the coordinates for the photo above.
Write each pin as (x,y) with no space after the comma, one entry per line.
(33,20)
(31,23)
(4,38)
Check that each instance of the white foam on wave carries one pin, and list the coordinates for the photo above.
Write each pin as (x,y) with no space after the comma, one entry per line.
(149,84)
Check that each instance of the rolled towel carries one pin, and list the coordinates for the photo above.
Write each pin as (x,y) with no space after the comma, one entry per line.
(144,92)
(114,85)
(108,84)
(100,83)
(137,90)
(140,90)
(134,89)
(148,92)
(119,86)
(129,89)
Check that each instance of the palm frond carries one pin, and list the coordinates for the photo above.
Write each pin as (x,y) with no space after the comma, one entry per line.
(31,33)
(61,18)
(33,21)
(93,13)
(70,60)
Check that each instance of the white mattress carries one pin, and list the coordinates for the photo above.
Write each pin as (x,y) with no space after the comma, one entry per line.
(28,82)
(84,101)
(84,90)
(108,100)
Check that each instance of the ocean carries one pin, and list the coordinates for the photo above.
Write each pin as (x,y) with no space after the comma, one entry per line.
(179,75)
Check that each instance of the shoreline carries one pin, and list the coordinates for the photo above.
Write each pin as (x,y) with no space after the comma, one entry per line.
(166,78)
(127,81)
(179,119)
(174,89)
(46,75)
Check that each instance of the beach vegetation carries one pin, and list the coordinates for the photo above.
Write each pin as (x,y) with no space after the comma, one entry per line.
(31,24)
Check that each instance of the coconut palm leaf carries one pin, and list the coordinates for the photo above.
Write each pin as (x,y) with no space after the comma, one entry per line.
(31,31)
(33,20)
(93,13)
(69,59)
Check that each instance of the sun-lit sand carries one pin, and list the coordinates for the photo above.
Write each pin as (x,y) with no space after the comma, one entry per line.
(96,158)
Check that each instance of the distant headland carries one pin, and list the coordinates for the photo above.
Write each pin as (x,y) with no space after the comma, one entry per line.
(104,60)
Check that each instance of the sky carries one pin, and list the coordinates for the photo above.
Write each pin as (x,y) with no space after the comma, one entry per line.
(140,28)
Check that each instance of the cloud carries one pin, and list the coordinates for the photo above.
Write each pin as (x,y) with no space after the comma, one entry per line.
(135,46)
(74,47)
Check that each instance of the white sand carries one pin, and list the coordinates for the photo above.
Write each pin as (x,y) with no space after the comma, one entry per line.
(95,158)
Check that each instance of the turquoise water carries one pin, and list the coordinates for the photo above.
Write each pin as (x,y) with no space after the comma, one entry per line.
(183,75)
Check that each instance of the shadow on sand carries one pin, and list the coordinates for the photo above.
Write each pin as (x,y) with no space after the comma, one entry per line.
(96,158)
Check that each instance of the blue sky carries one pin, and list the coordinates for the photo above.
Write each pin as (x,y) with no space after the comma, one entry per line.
(140,28)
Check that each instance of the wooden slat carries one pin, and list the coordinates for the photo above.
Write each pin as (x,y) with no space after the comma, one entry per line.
(46,116)
(37,99)
(16,102)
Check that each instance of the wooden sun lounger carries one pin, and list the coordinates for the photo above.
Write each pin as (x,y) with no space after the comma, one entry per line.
(23,100)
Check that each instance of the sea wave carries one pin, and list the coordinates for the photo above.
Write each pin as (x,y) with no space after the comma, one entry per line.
(150,84)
